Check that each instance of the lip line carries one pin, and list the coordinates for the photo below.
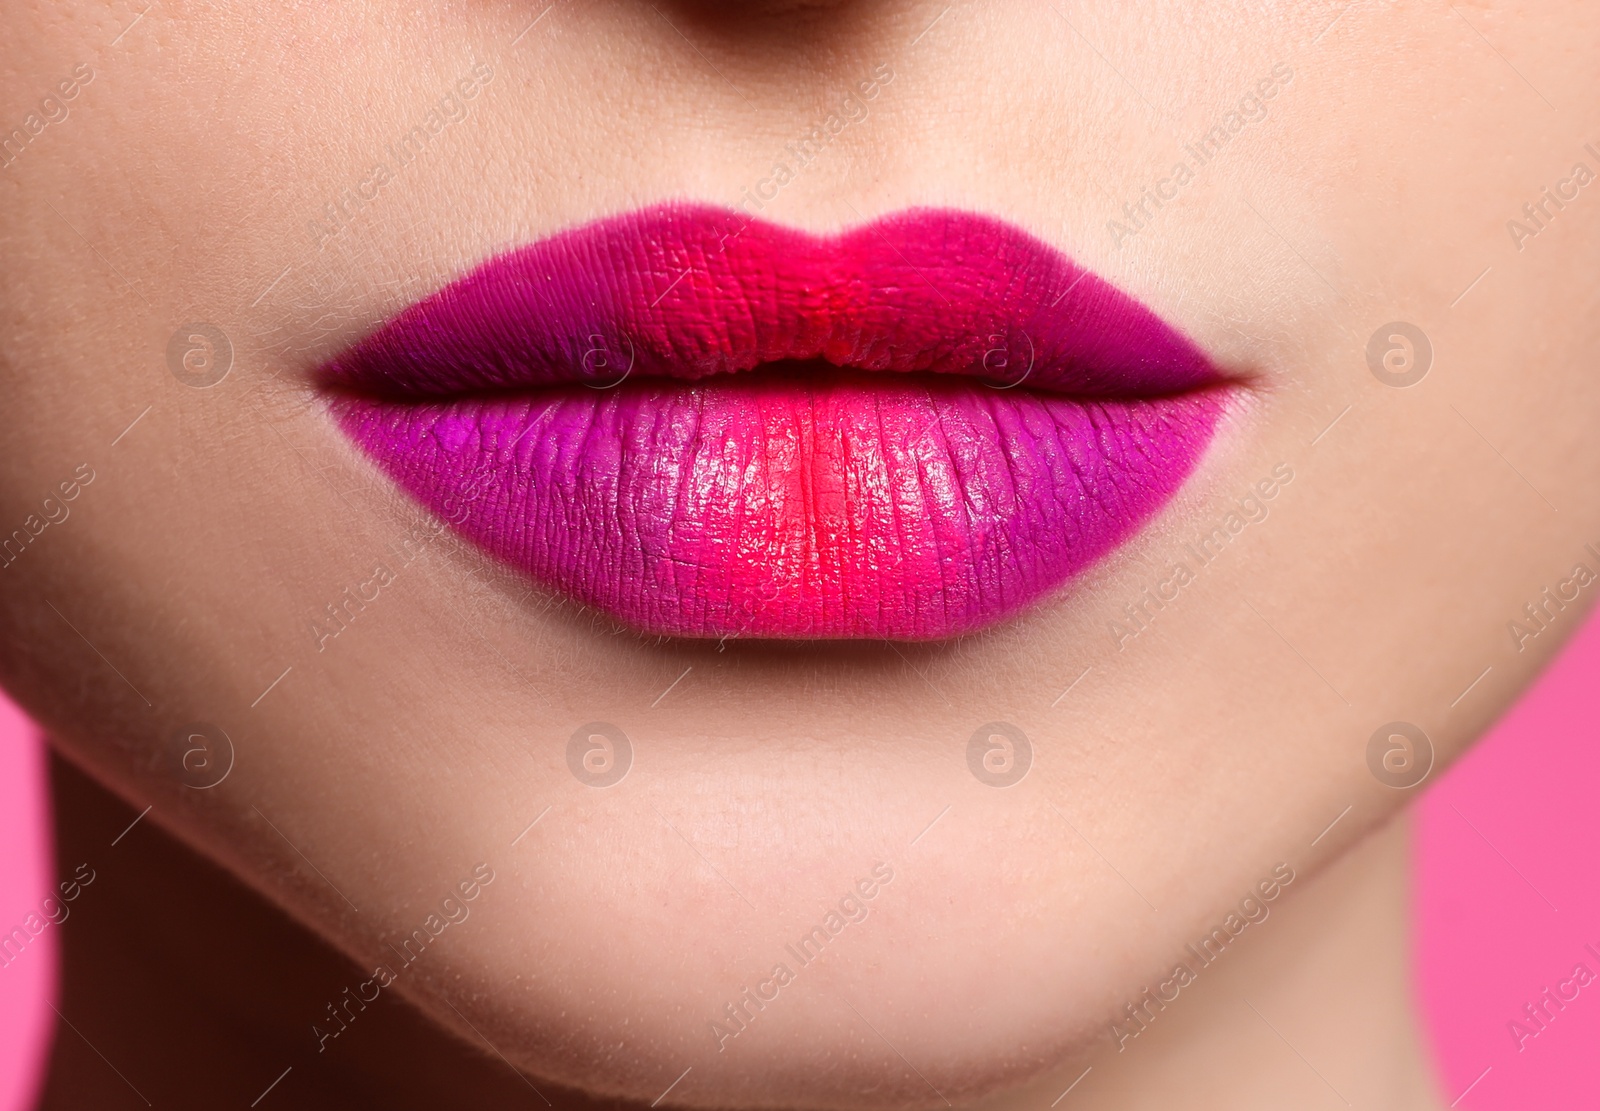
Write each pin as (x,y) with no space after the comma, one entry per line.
(1225,384)
(527,340)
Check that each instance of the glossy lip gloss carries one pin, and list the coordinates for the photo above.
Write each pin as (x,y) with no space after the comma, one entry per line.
(712,426)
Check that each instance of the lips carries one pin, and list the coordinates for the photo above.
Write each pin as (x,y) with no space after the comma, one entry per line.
(712,426)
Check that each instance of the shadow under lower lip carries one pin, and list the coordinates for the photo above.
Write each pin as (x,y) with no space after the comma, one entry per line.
(786,508)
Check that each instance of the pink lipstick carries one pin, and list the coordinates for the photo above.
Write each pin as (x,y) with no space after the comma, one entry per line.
(711,426)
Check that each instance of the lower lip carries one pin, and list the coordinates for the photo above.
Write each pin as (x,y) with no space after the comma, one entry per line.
(812,504)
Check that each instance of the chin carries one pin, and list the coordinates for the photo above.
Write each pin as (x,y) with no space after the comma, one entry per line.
(852,1040)
(826,976)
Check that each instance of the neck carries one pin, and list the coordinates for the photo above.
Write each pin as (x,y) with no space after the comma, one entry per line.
(1315,1012)
(185,989)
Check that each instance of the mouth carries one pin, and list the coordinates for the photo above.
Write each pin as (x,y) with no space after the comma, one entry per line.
(710,426)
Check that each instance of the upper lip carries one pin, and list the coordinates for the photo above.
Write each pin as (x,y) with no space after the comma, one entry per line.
(688,291)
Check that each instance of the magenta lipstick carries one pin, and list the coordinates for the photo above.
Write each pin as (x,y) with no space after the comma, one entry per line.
(708,426)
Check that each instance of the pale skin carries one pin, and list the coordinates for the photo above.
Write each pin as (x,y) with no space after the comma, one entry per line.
(1174,768)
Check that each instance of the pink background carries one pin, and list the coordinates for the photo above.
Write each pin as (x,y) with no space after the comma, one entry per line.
(1507,861)
(1508,895)
(26,876)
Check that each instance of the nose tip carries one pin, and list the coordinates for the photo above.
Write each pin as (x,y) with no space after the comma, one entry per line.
(772,44)
(762,6)
(759,9)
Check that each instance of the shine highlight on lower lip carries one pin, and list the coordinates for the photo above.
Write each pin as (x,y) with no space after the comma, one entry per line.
(712,426)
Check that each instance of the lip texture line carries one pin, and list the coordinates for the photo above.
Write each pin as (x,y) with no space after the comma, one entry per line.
(949,419)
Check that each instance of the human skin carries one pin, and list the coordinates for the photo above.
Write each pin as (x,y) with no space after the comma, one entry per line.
(1175,766)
